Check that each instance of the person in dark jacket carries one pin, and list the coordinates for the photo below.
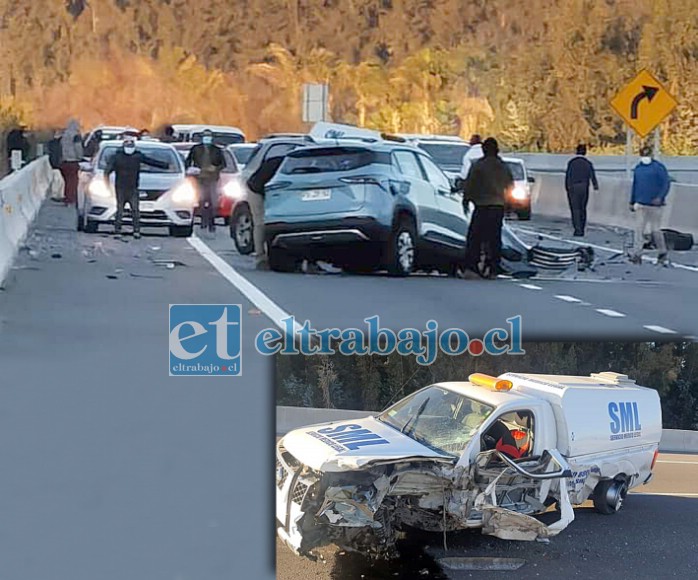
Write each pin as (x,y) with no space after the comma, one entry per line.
(126,165)
(169,135)
(209,160)
(92,145)
(580,172)
(17,141)
(54,150)
(488,183)
(651,184)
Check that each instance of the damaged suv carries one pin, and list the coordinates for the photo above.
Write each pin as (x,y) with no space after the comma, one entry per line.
(489,453)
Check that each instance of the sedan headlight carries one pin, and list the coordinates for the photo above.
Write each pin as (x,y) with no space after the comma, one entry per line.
(185,193)
(100,188)
(519,193)
(233,189)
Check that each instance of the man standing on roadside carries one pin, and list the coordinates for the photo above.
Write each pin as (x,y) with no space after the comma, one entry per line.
(472,155)
(651,184)
(71,155)
(126,165)
(580,172)
(488,183)
(208,159)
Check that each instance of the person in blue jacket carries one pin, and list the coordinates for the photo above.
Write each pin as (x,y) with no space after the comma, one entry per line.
(651,185)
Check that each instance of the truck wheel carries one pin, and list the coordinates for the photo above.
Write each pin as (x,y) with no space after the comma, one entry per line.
(241,230)
(402,249)
(609,496)
(524,214)
(282,261)
(90,226)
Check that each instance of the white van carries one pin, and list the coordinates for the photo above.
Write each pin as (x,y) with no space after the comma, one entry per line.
(492,451)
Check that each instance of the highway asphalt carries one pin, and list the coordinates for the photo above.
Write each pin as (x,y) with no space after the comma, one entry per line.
(652,537)
(112,469)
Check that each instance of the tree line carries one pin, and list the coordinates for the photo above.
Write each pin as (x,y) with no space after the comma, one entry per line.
(373,382)
(539,74)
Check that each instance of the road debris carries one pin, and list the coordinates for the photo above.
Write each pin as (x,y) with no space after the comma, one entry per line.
(489,564)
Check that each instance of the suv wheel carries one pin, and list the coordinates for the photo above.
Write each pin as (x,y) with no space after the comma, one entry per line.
(241,229)
(402,249)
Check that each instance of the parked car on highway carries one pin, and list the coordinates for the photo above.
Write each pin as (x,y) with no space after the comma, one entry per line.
(519,201)
(447,151)
(229,189)
(167,197)
(488,453)
(368,206)
(241,223)
(222,135)
(241,152)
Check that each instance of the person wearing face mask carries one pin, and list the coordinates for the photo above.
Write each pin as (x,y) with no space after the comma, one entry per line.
(208,159)
(126,166)
(651,184)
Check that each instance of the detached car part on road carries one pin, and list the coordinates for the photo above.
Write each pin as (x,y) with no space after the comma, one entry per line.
(488,453)
(167,197)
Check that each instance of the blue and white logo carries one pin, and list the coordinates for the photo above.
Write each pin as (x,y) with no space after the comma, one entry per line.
(205,340)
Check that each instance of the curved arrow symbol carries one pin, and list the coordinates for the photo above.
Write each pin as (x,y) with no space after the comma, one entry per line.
(647,93)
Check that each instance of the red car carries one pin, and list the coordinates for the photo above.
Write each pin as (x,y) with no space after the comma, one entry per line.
(229,189)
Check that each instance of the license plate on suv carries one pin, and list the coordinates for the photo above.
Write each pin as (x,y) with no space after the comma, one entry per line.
(316,195)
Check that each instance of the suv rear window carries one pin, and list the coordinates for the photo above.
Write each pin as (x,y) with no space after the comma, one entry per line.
(329,160)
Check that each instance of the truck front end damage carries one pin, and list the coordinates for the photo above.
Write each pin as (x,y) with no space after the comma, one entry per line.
(369,508)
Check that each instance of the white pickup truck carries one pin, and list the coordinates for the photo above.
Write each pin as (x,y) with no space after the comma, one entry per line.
(488,453)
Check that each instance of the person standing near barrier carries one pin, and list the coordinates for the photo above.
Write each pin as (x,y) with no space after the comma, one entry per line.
(17,141)
(580,173)
(126,165)
(651,184)
(71,155)
(489,181)
(55,156)
(208,159)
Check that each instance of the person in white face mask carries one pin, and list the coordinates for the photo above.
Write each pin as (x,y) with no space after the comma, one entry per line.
(208,158)
(651,184)
(126,165)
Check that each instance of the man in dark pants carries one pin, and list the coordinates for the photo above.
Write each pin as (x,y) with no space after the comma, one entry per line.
(209,160)
(579,173)
(126,164)
(487,185)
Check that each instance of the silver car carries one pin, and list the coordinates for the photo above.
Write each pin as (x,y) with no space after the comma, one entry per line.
(168,198)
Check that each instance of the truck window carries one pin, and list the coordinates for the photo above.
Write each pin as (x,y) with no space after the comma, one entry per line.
(512,434)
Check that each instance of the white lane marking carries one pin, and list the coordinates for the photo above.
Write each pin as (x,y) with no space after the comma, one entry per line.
(565,298)
(659,329)
(530,286)
(678,462)
(611,313)
(664,493)
(597,247)
(274,312)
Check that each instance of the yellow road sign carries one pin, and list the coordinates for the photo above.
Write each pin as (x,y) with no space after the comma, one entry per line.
(644,103)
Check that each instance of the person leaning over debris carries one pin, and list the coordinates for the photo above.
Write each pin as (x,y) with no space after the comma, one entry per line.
(126,165)
(209,160)
(580,172)
(488,183)
(651,184)
(71,155)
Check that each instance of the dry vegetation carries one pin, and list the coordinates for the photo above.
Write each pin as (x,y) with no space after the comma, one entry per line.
(538,73)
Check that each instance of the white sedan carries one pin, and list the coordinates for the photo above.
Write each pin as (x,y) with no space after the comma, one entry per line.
(167,197)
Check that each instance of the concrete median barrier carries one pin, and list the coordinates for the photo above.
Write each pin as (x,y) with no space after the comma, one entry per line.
(290,418)
(609,205)
(21,196)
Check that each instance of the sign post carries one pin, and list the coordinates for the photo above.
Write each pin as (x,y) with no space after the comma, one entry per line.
(315,102)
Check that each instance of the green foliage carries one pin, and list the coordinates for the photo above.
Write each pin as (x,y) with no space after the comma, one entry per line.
(374,382)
